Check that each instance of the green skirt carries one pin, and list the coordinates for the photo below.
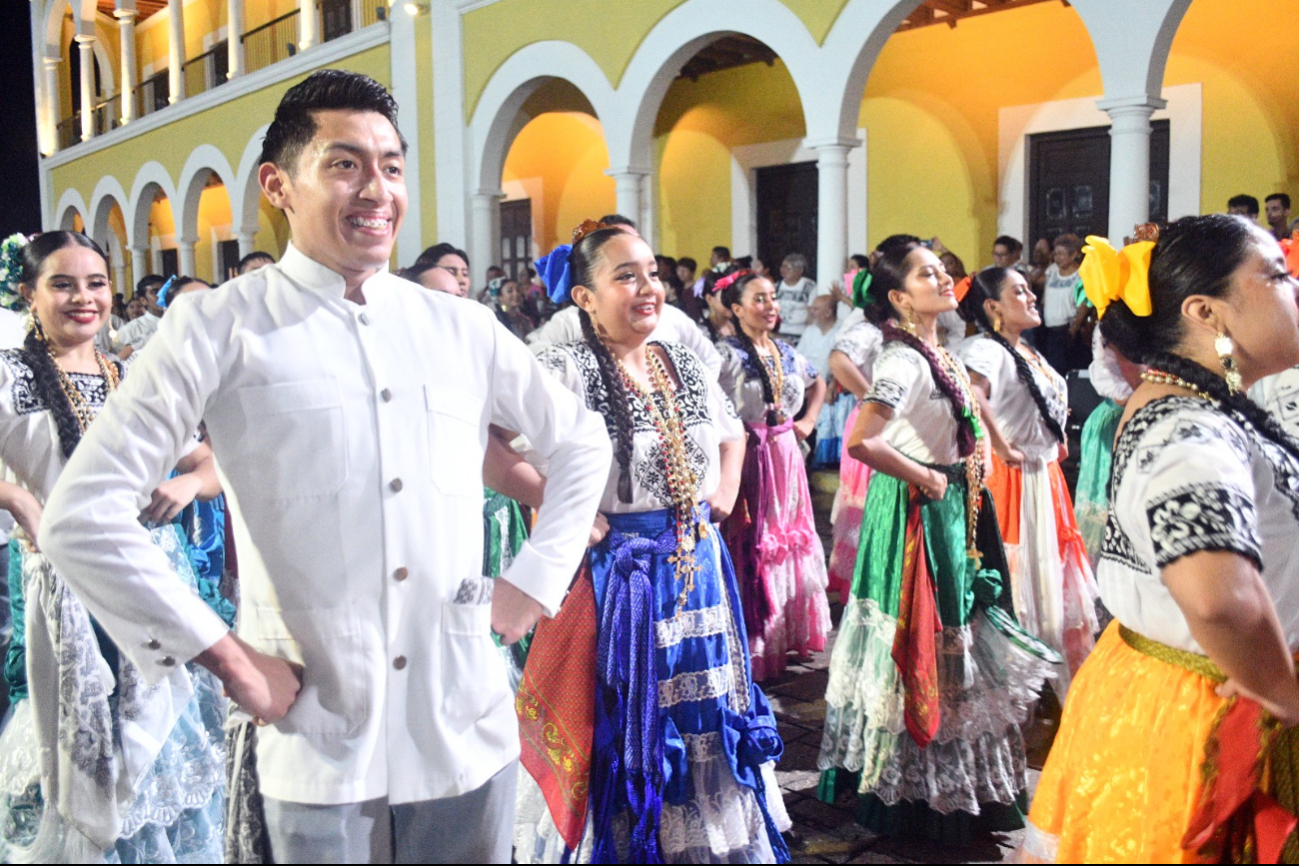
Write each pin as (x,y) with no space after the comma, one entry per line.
(1092,502)
(972,774)
(505,528)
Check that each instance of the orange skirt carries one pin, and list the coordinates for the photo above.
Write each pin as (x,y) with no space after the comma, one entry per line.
(1123,778)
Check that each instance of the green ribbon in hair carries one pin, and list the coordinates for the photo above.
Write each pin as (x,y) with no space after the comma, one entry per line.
(861,284)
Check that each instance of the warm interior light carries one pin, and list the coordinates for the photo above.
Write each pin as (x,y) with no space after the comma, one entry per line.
(414,9)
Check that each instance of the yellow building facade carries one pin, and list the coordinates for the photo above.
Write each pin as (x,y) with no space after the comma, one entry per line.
(918,117)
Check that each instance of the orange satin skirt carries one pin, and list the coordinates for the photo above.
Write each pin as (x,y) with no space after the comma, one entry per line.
(1123,778)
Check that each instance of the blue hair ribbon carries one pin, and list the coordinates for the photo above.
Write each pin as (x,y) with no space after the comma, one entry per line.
(164,289)
(555,273)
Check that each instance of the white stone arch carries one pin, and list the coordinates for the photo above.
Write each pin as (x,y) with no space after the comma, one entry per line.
(70,203)
(676,38)
(108,192)
(495,120)
(83,15)
(151,178)
(847,56)
(206,160)
(246,190)
(1132,42)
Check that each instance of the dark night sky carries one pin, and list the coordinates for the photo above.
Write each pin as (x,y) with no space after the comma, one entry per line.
(20,192)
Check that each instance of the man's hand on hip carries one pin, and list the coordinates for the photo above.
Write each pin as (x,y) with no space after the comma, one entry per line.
(263,686)
(514,612)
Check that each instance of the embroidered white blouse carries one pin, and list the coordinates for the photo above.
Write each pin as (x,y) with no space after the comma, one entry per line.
(708,418)
(742,381)
(860,341)
(1188,478)
(923,426)
(1012,405)
(351,439)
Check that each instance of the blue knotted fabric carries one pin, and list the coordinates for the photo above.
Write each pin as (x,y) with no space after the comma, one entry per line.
(641,760)
(555,273)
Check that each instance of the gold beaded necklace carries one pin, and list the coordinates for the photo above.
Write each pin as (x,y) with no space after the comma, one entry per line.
(81,408)
(1038,362)
(775,372)
(1159,377)
(682,481)
(974,468)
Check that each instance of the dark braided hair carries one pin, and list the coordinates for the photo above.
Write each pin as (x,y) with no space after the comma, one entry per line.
(732,296)
(45,375)
(1193,256)
(988,285)
(581,262)
(889,275)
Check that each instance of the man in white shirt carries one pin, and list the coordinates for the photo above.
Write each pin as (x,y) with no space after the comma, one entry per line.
(348,410)
(795,292)
(134,335)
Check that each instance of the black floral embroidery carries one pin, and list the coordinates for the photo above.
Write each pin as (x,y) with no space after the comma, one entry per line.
(887,392)
(27,401)
(691,396)
(1203,517)
(651,470)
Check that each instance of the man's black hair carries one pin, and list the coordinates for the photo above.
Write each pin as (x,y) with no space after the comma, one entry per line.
(325,90)
(724,252)
(617,219)
(1014,246)
(254,256)
(434,254)
(147,282)
(688,263)
(1281,197)
(1248,202)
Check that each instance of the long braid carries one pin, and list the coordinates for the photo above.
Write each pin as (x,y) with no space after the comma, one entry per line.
(1238,405)
(1024,371)
(618,401)
(45,380)
(764,374)
(966,441)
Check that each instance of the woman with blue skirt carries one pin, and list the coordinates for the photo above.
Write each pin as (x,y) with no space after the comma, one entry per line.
(667,754)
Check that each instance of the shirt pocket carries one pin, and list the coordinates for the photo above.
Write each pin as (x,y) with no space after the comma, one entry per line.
(454,448)
(297,438)
(329,645)
(477,682)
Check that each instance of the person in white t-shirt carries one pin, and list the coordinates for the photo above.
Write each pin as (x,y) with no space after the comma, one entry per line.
(1055,338)
(135,334)
(795,291)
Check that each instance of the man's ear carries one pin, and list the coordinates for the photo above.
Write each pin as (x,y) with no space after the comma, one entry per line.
(275,184)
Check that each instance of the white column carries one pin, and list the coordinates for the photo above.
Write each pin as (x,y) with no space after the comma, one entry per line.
(53,104)
(119,272)
(356,15)
(485,231)
(308,24)
(246,240)
(1129,161)
(186,264)
(86,45)
(234,35)
(628,184)
(832,210)
(126,29)
(176,50)
(141,264)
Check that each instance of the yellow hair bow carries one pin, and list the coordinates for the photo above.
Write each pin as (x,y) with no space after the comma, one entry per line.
(1110,275)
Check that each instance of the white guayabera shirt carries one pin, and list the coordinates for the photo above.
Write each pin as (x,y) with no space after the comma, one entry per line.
(350,440)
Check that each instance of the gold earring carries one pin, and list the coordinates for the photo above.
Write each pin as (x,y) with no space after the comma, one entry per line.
(1223,345)
(996,324)
(38,328)
(908,323)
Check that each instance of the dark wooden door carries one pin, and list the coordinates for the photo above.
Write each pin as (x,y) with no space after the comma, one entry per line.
(335,18)
(1069,181)
(516,237)
(170,261)
(787,202)
(228,252)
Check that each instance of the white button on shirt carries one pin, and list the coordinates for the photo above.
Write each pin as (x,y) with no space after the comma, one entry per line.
(334,491)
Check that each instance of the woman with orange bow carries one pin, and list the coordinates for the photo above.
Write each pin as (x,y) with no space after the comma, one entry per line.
(1176,741)
(1026,402)
(930,677)
(779,560)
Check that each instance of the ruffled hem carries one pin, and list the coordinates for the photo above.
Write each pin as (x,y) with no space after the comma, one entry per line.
(988,683)
(721,822)
(800,618)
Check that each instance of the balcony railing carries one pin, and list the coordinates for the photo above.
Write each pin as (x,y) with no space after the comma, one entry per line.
(208,70)
(69,130)
(272,42)
(108,114)
(153,94)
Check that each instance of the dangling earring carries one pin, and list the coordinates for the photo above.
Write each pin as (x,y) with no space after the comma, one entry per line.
(996,324)
(38,328)
(908,323)
(601,332)
(1223,345)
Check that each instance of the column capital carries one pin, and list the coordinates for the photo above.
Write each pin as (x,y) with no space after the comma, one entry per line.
(844,142)
(125,16)
(186,242)
(1131,105)
(488,194)
(51,63)
(627,171)
(85,40)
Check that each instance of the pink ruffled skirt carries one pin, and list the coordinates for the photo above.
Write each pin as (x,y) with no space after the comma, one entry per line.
(846,514)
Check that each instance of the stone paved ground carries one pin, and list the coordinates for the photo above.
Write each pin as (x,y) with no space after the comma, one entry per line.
(829,833)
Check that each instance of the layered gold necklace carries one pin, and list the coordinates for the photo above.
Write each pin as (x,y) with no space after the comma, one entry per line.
(81,407)
(974,468)
(775,373)
(682,481)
